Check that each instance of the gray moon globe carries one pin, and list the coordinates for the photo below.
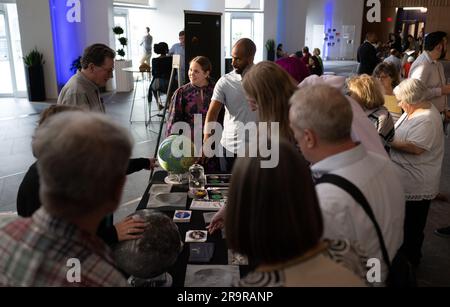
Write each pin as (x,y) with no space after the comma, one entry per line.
(153,254)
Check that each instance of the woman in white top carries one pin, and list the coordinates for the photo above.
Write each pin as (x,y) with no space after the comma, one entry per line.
(417,151)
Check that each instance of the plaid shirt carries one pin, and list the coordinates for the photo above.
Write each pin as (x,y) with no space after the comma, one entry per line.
(36,252)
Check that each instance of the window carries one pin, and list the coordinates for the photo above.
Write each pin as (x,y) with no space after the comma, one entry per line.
(244,19)
(244,4)
(121,20)
(6,87)
(241,27)
(11,61)
(16,48)
(134,22)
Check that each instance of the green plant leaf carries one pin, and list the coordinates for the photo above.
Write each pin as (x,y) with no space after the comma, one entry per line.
(33,58)
(121,52)
(76,65)
(118,30)
(123,41)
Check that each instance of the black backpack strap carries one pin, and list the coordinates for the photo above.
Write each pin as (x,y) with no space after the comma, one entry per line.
(359,197)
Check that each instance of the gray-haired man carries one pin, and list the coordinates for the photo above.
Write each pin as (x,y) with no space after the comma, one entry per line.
(97,66)
(324,137)
(83,158)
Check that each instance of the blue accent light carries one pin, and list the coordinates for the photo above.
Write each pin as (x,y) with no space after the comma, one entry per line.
(67,39)
(328,24)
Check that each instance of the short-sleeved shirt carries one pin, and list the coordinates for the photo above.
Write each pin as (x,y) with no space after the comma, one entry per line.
(179,49)
(230,93)
(80,91)
(147,41)
(420,174)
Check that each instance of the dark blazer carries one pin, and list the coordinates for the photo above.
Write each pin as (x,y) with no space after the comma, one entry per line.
(28,197)
(162,67)
(367,57)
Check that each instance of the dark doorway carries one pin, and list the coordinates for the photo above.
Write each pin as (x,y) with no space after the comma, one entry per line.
(411,23)
(203,37)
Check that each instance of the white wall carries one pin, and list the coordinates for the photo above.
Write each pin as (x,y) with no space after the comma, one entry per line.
(169,19)
(293,21)
(291,24)
(342,12)
(270,22)
(98,22)
(35,31)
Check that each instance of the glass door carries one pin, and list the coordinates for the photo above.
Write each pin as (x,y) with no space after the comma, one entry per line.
(6,86)
(121,20)
(11,58)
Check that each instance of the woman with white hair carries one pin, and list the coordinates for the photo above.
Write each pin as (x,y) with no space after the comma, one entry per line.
(417,151)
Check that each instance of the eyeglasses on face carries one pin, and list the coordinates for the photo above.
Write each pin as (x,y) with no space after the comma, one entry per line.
(106,69)
(382,77)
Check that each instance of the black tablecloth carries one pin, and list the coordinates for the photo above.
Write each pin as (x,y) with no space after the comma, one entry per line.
(220,257)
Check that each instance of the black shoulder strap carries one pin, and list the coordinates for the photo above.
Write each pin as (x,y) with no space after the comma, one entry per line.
(359,197)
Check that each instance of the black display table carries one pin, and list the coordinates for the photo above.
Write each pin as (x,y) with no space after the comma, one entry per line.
(220,257)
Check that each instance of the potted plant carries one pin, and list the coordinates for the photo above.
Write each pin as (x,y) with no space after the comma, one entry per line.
(122,40)
(270,46)
(76,65)
(34,70)
(124,80)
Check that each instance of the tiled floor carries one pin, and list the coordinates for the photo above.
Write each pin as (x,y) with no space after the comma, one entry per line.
(17,123)
(18,119)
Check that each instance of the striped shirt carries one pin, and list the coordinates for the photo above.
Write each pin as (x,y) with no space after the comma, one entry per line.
(43,251)
(384,123)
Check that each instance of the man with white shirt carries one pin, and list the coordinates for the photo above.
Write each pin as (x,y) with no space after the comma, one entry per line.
(429,70)
(324,137)
(230,94)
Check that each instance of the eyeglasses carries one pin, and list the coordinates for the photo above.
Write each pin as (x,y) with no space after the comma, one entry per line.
(382,77)
(107,70)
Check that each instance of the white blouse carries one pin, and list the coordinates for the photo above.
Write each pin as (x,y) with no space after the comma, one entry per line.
(420,174)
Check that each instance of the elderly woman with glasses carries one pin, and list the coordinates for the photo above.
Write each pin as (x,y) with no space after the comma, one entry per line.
(388,76)
(418,152)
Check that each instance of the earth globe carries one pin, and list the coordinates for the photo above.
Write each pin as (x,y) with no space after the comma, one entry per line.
(176,156)
(146,260)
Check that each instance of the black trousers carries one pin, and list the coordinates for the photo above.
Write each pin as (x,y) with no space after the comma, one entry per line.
(416,214)
(227,162)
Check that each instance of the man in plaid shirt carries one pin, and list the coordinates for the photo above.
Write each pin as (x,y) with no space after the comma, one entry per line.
(82,161)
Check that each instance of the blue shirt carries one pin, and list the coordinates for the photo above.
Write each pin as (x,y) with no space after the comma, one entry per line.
(179,49)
